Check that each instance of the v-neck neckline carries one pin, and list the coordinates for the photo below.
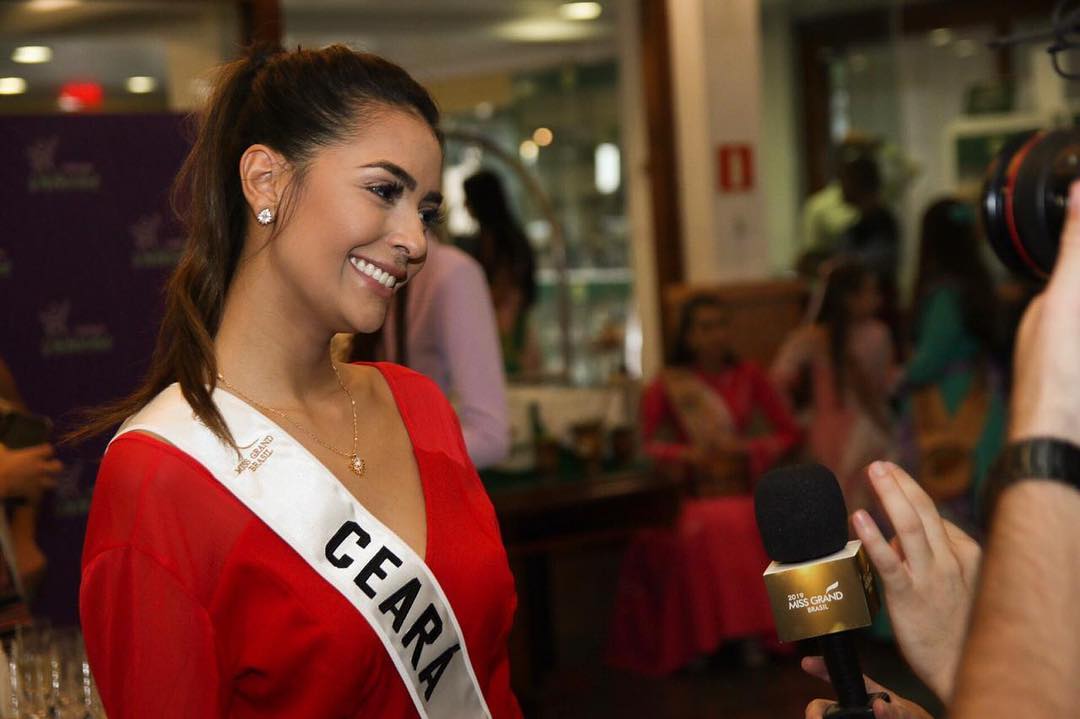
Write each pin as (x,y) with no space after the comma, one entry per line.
(406,422)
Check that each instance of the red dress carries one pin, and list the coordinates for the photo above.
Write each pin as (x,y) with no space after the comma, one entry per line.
(193,608)
(684,591)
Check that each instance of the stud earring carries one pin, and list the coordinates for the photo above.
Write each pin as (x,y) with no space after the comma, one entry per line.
(265,216)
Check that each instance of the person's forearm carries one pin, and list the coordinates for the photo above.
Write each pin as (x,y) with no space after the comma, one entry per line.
(1023,649)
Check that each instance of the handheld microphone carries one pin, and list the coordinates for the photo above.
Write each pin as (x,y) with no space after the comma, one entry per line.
(819,584)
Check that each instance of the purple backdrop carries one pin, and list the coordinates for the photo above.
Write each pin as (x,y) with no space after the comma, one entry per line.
(87,239)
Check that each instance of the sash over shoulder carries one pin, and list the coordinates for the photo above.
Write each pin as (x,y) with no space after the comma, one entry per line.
(283,484)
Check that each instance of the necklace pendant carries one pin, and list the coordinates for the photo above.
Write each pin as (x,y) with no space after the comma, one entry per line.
(357,465)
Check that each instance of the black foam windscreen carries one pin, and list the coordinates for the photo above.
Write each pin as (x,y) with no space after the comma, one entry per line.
(800,513)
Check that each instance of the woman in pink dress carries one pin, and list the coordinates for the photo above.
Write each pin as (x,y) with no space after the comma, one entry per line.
(846,353)
(685,591)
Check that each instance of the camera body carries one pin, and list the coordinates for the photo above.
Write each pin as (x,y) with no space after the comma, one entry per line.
(1025,199)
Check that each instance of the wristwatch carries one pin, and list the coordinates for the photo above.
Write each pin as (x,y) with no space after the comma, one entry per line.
(1035,458)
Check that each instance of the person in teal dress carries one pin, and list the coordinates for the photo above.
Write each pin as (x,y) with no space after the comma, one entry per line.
(957,356)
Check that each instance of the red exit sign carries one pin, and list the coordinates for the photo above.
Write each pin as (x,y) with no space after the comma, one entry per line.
(735,167)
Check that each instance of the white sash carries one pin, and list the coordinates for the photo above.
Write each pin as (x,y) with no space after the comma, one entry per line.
(283,484)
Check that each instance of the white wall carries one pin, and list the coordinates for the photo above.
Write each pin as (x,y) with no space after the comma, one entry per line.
(716,74)
(781,153)
(930,87)
(929,91)
(194,49)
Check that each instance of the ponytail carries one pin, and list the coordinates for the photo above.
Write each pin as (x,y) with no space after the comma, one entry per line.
(295,103)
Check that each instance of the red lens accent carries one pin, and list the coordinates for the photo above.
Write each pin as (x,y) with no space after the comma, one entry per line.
(1010,210)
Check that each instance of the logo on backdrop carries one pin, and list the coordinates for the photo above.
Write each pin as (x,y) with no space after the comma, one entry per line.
(60,339)
(71,497)
(5,265)
(47,175)
(151,250)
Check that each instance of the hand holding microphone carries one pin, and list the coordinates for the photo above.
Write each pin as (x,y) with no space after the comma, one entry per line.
(819,584)
(928,572)
(886,704)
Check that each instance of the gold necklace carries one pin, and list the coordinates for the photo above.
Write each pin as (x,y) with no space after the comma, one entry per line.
(356,464)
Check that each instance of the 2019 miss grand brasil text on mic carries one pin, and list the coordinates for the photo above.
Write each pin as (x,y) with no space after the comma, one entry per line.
(819,584)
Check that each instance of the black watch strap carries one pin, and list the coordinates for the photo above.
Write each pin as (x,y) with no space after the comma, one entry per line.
(1035,458)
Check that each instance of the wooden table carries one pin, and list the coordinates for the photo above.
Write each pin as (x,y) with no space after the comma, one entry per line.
(540,515)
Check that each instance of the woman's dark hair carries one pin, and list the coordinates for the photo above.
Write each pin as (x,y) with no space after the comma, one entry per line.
(296,103)
(503,244)
(950,256)
(681,353)
(843,282)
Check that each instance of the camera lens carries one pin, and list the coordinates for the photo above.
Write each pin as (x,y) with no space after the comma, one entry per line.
(1026,196)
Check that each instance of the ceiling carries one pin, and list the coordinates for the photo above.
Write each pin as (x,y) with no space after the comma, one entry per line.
(110,40)
(441,38)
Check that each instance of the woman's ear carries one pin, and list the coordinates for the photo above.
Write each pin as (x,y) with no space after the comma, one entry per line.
(263,176)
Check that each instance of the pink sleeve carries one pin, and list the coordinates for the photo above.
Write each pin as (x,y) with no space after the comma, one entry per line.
(789,361)
(473,358)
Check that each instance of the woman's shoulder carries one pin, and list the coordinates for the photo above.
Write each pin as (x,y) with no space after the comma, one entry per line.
(407,385)
(146,485)
(136,456)
(138,463)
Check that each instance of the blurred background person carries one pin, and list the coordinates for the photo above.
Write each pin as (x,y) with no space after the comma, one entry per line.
(954,375)
(684,592)
(26,472)
(448,333)
(874,239)
(827,214)
(503,250)
(845,359)
(1023,605)
(705,408)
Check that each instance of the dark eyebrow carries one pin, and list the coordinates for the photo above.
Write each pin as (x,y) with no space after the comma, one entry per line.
(397,171)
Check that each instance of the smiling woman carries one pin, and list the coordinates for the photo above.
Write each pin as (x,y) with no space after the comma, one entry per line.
(310,196)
